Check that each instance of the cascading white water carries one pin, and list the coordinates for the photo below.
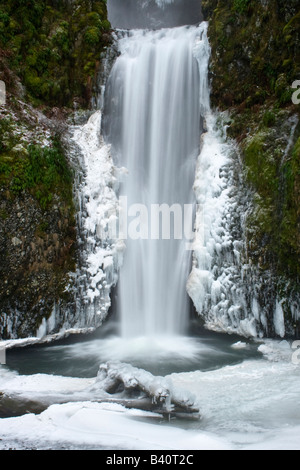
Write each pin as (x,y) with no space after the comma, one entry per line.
(156,99)
(153,14)
(156,95)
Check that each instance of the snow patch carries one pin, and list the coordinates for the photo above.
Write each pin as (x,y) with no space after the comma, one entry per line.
(251,405)
(276,351)
(85,425)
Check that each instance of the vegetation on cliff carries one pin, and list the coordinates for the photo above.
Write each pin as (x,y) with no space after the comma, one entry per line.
(255,50)
(255,62)
(53,46)
(49,56)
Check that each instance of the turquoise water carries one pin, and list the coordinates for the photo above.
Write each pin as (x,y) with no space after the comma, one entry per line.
(81,356)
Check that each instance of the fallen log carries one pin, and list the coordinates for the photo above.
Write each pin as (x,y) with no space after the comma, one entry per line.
(127,384)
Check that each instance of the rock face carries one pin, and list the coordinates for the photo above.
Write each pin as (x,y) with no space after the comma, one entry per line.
(49,61)
(254,65)
(37,221)
(50,54)
(255,50)
(53,47)
(36,254)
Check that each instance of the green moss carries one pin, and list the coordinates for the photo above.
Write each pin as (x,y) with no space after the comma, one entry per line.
(290,224)
(255,52)
(3,214)
(92,36)
(273,226)
(292,27)
(296,152)
(42,229)
(269,118)
(41,170)
(283,90)
(240,6)
(261,167)
(254,61)
(46,44)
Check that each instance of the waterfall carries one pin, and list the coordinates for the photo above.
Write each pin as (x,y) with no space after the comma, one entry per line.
(160,127)
(164,173)
(153,14)
(155,96)
(162,197)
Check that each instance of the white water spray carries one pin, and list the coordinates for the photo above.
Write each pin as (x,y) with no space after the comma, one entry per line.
(165,142)
(157,93)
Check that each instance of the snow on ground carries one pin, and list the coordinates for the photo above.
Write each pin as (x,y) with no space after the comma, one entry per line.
(251,405)
(104,426)
(40,384)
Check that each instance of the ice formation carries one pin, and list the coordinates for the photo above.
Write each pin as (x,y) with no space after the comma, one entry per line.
(101,250)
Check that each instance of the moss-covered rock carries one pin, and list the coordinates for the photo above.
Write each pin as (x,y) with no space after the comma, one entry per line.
(49,58)
(53,47)
(255,60)
(37,219)
(255,50)
(36,256)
